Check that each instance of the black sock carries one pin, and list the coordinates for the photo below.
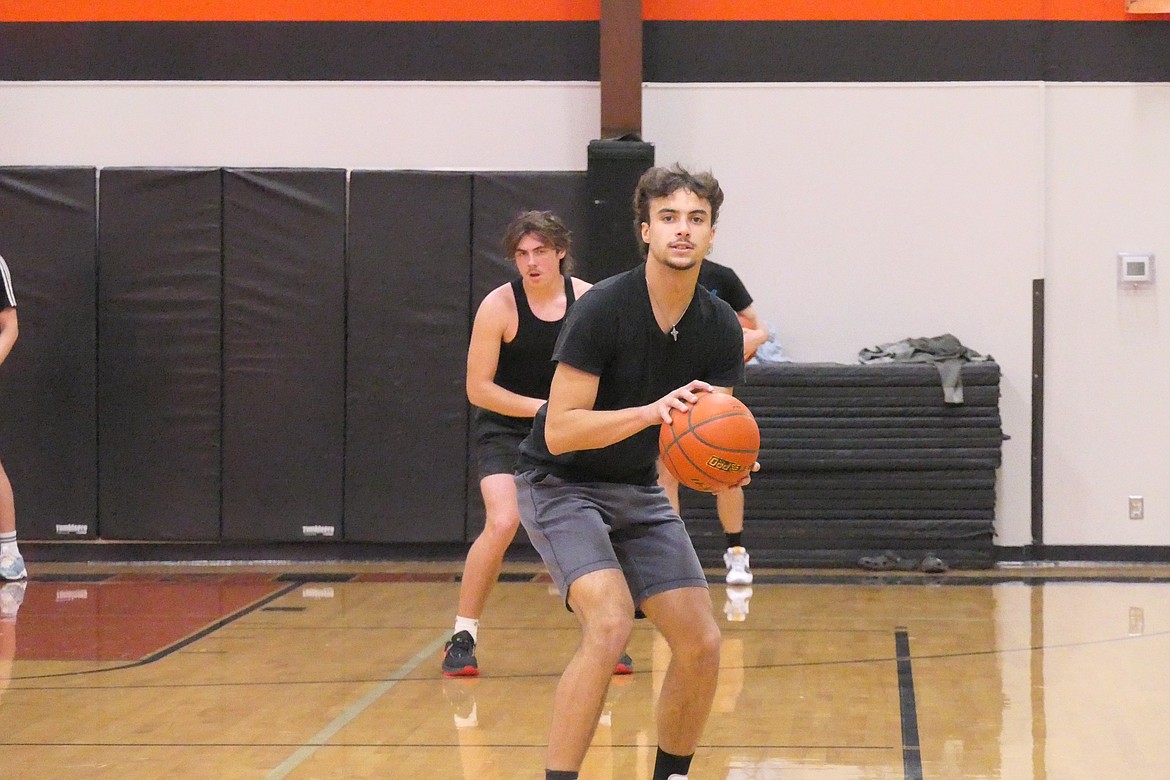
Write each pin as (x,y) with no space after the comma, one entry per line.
(734,539)
(666,764)
(553,774)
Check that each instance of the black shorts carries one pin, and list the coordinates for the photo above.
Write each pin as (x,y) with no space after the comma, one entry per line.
(497,442)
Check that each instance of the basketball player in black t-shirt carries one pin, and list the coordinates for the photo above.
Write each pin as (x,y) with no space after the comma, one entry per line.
(640,344)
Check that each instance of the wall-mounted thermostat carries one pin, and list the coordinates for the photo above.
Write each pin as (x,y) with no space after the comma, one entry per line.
(1135,269)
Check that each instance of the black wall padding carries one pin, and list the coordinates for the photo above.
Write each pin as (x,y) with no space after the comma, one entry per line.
(406,408)
(48,431)
(614,169)
(159,338)
(856,459)
(283,354)
(498,199)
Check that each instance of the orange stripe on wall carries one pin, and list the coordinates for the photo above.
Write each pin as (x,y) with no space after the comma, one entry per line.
(299,10)
(889,10)
(558,10)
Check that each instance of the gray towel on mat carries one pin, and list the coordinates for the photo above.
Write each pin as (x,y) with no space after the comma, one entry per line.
(946,352)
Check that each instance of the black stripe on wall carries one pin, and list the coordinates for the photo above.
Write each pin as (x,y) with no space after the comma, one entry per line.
(842,51)
(1105,51)
(300,51)
(906,51)
(679,52)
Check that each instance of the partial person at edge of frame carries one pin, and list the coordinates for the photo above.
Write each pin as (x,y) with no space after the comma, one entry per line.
(724,283)
(12,566)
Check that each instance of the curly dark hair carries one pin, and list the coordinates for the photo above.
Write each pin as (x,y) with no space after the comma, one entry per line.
(659,182)
(546,226)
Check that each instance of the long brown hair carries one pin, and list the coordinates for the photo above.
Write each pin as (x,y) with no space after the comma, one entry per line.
(546,226)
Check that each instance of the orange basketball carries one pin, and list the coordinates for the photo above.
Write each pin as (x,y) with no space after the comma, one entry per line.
(712,445)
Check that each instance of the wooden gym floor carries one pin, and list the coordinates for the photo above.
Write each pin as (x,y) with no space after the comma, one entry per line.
(332,671)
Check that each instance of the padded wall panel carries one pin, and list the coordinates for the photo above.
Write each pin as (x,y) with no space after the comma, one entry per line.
(48,431)
(498,199)
(408,326)
(159,278)
(859,458)
(283,354)
(615,166)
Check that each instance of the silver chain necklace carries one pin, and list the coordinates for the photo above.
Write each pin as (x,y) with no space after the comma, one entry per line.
(654,304)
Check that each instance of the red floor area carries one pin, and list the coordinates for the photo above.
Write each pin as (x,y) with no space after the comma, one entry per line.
(127,618)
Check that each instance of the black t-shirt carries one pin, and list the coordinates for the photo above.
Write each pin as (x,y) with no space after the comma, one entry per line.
(724,283)
(611,333)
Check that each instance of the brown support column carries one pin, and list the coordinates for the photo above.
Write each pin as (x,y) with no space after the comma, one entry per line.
(621,68)
(619,158)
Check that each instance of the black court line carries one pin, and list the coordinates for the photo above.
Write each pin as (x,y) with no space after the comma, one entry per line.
(436,745)
(714,578)
(911,750)
(311,578)
(944,580)
(71,578)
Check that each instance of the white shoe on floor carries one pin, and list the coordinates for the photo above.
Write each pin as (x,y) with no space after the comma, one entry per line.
(12,567)
(739,571)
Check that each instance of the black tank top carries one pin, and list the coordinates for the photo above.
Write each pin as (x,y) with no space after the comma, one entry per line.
(525,366)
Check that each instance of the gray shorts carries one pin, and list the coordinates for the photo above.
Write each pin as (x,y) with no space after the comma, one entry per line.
(580,528)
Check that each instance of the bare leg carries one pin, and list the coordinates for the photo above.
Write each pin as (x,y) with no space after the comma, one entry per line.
(7,652)
(603,606)
(7,504)
(729,505)
(486,556)
(685,619)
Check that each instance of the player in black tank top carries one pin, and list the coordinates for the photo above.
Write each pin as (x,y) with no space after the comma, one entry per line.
(525,365)
(509,370)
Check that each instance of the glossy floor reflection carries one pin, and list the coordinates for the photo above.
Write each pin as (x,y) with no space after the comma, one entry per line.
(252,672)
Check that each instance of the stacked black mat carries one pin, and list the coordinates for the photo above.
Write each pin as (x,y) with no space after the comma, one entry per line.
(859,459)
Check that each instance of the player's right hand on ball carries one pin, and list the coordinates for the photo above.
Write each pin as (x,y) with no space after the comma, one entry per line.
(680,399)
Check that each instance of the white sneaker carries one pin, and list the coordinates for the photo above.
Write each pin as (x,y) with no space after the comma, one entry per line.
(736,606)
(677,777)
(739,571)
(12,567)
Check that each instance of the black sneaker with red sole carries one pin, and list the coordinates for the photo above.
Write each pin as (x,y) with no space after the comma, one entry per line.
(459,656)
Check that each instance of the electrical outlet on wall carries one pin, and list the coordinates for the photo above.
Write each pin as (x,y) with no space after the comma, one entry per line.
(1137,621)
(1137,507)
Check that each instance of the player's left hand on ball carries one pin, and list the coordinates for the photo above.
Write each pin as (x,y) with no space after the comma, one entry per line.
(748,478)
